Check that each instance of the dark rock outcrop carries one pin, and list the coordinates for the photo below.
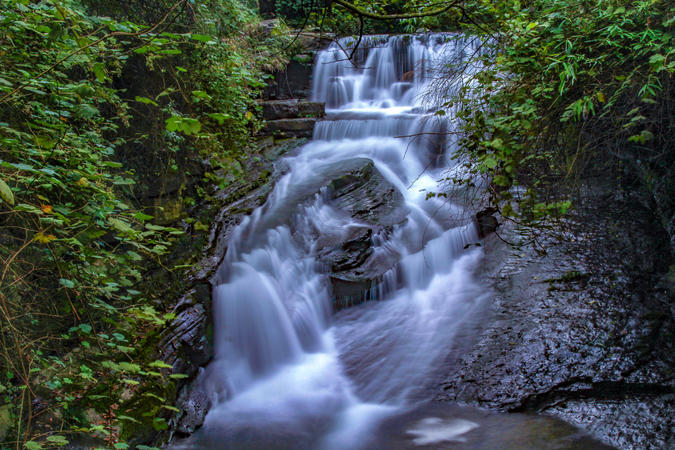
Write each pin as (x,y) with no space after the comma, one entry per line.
(295,81)
(367,195)
(194,403)
(581,326)
(356,270)
(186,345)
(486,222)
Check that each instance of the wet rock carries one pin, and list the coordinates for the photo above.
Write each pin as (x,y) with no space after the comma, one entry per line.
(366,195)
(293,82)
(352,253)
(486,222)
(194,403)
(311,109)
(280,109)
(356,270)
(582,330)
(309,41)
(299,127)
(186,345)
(292,109)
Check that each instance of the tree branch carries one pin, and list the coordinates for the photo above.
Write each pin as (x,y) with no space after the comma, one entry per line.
(363,13)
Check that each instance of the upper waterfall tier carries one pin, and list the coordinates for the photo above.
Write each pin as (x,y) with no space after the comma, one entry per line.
(385,71)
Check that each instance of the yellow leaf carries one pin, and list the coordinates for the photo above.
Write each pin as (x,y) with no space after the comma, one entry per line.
(601,97)
(44,238)
(248,115)
(83,182)
(47,209)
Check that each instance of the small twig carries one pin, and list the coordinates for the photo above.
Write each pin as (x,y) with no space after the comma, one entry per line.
(358,42)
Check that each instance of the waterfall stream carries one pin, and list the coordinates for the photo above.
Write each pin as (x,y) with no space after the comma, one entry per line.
(289,374)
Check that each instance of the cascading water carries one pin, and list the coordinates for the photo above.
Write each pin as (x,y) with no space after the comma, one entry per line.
(286,373)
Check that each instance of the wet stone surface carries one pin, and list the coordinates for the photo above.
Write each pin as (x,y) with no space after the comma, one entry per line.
(376,205)
(583,332)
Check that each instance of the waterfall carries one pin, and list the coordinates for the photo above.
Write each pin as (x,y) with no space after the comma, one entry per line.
(285,370)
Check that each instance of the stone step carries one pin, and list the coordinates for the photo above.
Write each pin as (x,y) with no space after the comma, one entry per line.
(300,127)
(292,109)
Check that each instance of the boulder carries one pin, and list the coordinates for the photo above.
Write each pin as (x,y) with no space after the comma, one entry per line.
(310,41)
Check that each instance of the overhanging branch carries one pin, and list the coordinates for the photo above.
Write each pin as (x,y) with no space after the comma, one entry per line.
(364,13)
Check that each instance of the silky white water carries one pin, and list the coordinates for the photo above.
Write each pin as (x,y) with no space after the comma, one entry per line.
(285,368)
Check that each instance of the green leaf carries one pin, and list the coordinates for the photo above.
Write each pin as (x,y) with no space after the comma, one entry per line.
(58,440)
(171,408)
(220,117)
(201,37)
(178,376)
(160,364)
(130,367)
(120,225)
(27,208)
(127,418)
(66,283)
(159,424)
(145,100)
(6,193)
(31,445)
(490,162)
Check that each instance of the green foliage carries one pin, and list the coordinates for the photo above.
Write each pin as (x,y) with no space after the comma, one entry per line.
(567,85)
(96,99)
